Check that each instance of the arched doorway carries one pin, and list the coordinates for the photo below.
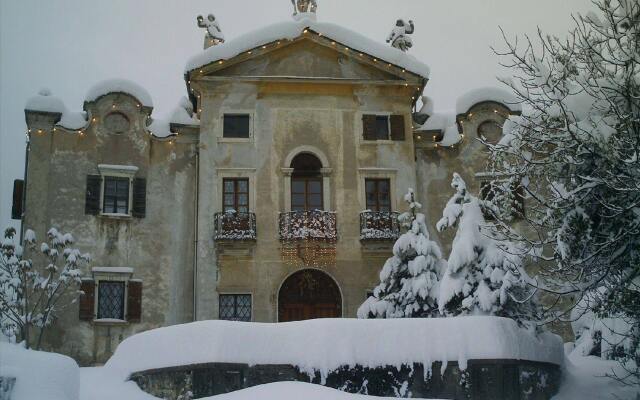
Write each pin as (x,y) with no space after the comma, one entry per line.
(309,294)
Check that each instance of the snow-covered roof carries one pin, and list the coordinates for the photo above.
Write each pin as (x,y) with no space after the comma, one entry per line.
(475,96)
(182,114)
(451,136)
(45,101)
(119,86)
(293,29)
(306,344)
(439,121)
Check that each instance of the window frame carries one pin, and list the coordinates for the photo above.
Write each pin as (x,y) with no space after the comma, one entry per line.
(99,296)
(307,180)
(236,295)
(236,193)
(117,196)
(236,111)
(377,181)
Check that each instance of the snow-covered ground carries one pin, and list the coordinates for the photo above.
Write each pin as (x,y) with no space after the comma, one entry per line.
(291,391)
(39,375)
(585,379)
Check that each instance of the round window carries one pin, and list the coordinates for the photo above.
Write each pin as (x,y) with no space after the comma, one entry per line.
(490,131)
(117,123)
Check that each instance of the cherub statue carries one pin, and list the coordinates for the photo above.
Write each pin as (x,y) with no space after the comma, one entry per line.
(214,35)
(399,35)
(304,6)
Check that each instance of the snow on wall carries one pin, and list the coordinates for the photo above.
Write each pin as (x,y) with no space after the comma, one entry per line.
(499,95)
(292,29)
(119,85)
(326,344)
(39,375)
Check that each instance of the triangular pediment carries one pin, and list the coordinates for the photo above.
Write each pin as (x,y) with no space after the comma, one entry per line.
(305,57)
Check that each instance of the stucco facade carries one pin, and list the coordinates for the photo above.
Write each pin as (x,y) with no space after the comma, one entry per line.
(309,95)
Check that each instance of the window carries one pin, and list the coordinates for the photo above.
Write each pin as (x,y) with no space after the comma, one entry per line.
(116,195)
(236,126)
(235,307)
(378,196)
(236,194)
(490,131)
(306,194)
(383,127)
(111,300)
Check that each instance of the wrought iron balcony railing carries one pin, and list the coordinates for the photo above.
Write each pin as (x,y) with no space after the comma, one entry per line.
(233,225)
(379,225)
(300,225)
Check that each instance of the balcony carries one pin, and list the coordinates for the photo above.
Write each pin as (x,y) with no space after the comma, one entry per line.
(235,226)
(314,225)
(379,226)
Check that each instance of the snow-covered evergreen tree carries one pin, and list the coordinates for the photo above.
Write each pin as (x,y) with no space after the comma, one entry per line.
(484,276)
(575,152)
(29,296)
(409,280)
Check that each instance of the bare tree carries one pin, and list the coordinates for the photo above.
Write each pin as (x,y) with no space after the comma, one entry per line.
(30,297)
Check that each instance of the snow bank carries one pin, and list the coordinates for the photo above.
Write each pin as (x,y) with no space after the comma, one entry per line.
(306,344)
(291,391)
(119,85)
(473,97)
(39,375)
(292,29)
(585,378)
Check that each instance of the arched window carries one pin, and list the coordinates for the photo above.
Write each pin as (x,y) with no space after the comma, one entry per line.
(306,183)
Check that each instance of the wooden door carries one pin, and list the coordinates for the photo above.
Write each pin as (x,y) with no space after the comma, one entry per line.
(309,294)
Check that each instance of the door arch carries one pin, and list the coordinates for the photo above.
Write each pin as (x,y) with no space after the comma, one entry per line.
(309,294)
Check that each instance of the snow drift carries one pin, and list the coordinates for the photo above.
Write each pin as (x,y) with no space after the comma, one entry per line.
(326,344)
(39,375)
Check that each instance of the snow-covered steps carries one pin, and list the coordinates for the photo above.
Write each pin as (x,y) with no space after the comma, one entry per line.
(424,357)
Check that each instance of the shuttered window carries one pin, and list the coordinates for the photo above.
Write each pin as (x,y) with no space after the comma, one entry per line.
(235,307)
(383,127)
(87,298)
(115,196)
(18,199)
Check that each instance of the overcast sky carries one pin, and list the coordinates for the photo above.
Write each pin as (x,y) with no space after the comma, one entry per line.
(69,45)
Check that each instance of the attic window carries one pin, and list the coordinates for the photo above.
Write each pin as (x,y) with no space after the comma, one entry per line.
(237,126)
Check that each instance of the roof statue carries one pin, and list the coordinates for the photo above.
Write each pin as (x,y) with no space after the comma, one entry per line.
(304,7)
(214,35)
(399,36)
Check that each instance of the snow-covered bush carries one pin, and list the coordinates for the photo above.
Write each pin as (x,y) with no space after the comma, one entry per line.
(30,296)
(484,275)
(574,152)
(409,280)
